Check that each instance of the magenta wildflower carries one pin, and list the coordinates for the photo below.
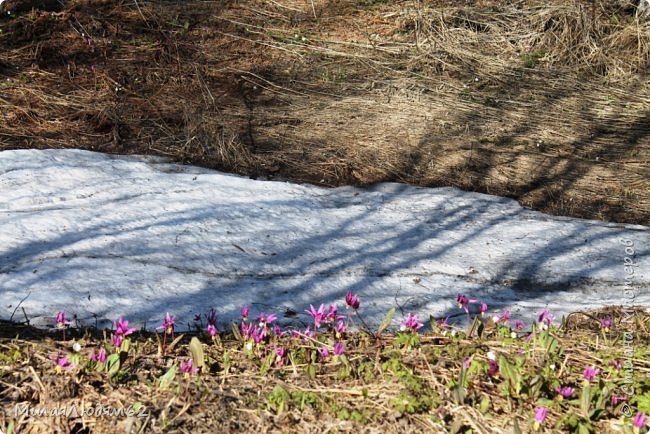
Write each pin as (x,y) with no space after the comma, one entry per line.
(339,348)
(117,341)
(564,392)
(618,364)
(443,324)
(62,362)
(352,300)
(411,323)
(463,302)
(618,398)
(61,321)
(122,328)
(540,416)
(324,352)
(280,356)
(244,311)
(503,318)
(277,330)
(606,324)
(590,373)
(519,324)
(212,330)
(493,368)
(186,367)
(259,333)
(545,319)
(639,421)
(318,315)
(467,361)
(98,358)
(264,319)
(340,329)
(484,308)
(247,330)
(168,324)
(332,316)
(211,317)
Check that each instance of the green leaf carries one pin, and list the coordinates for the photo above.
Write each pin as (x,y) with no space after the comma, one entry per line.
(235,331)
(113,364)
(168,377)
(387,320)
(585,401)
(198,358)
(485,405)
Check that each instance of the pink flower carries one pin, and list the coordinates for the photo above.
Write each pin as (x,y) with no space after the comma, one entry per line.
(247,330)
(168,324)
(618,398)
(212,330)
(244,312)
(332,316)
(339,348)
(639,420)
(211,317)
(411,323)
(62,362)
(98,358)
(318,315)
(117,341)
(564,392)
(493,369)
(324,352)
(443,324)
(463,302)
(540,416)
(122,328)
(545,319)
(606,324)
(186,367)
(519,324)
(618,364)
(340,329)
(590,373)
(467,361)
(61,320)
(484,308)
(352,300)
(503,318)
(264,319)
(280,356)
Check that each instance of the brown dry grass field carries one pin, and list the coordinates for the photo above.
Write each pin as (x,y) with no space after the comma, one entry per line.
(545,101)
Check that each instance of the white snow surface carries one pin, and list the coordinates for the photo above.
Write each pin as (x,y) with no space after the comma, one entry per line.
(104,236)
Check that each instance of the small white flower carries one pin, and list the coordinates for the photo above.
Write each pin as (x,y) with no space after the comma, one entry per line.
(491,355)
(453,332)
(552,367)
(76,347)
(513,335)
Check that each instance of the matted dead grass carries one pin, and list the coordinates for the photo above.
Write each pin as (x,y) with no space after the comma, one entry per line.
(544,101)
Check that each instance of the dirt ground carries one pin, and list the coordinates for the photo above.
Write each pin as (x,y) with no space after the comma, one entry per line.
(545,101)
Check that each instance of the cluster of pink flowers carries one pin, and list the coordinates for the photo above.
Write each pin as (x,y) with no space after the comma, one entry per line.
(122,329)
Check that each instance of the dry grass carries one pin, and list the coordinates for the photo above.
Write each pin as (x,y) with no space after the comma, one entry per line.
(379,386)
(544,101)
